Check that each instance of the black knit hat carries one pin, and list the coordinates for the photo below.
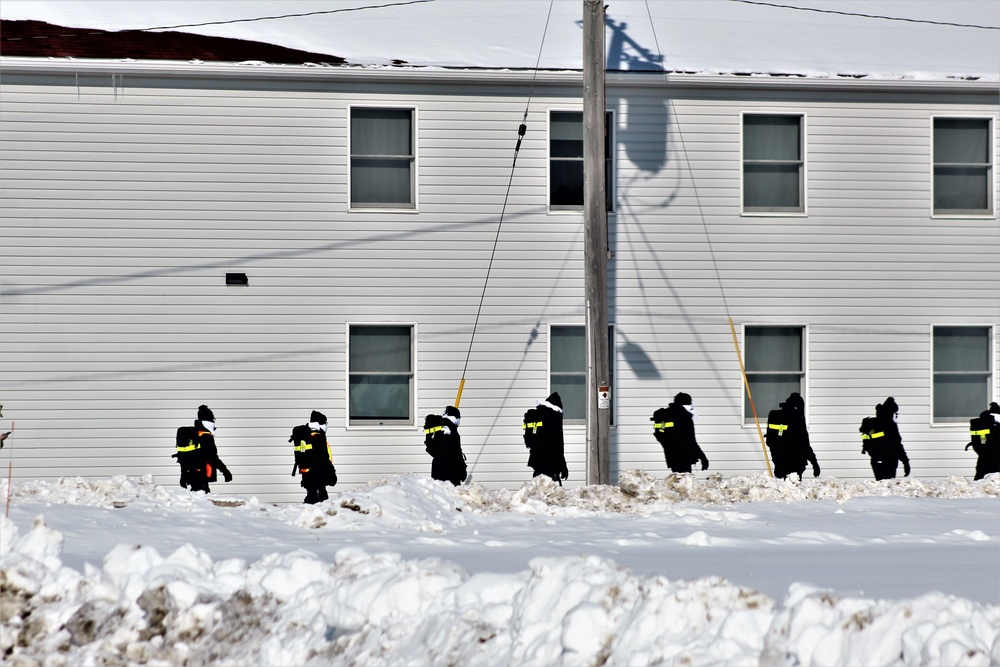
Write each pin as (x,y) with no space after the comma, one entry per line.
(890,405)
(682,399)
(795,401)
(994,408)
(204,414)
(317,417)
(554,399)
(452,411)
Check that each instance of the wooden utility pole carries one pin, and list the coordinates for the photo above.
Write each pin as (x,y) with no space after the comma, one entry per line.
(595,222)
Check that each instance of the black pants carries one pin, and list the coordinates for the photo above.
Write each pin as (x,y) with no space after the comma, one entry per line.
(316,494)
(884,469)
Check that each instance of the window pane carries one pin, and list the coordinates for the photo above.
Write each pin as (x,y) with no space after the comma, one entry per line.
(774,349)
(960,397)
(771,186)
(961,188)
(572,390)
(569,350)
(769,391)
(381,132)
(376,349)
(380,181)
(962,349)
(567,183)
(566,134)
(962,140)
(771,138)
(383,397)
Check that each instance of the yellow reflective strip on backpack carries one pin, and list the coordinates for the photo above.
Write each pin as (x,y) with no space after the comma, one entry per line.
(663,425)
(778,427)
(303,446)
(191,446)
(532,425)
(433,429)
(878,435)
(865,436)
(985,431)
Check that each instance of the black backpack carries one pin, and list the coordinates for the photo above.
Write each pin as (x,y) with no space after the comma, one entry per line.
(533,427)
(979,432)
(777,426)
(188,452)
(301,443)
(662,425)
(433,427)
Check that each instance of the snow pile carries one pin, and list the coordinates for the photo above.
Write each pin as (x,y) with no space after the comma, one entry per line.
(638,491)
(377,608)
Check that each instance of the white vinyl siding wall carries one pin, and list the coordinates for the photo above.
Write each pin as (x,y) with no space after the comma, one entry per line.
(123,207)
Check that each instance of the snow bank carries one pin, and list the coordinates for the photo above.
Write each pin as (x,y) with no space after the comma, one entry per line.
(415,498)
(376,608)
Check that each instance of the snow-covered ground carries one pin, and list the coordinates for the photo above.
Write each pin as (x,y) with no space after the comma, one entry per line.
(409,571)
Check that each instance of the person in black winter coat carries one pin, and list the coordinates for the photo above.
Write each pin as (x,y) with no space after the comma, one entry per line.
(788,439)
(313,458)
(985,434)
(884,444)
(444,444)
(543,436)
(673,428)
(198,455)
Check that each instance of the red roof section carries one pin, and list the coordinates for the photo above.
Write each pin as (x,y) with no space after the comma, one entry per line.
(37,39)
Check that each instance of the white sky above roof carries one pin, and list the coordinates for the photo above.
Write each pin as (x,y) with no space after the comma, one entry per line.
(704,36)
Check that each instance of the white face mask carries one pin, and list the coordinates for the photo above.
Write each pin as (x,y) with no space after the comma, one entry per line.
(996,417)
(210,426)
(895,417)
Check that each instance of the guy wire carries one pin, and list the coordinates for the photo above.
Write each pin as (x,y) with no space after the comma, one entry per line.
(520,135)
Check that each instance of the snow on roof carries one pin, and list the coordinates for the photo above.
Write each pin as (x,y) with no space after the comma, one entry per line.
(926,40)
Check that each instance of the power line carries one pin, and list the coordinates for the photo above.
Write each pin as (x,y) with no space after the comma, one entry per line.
(867,16)
(289,16)
(231,21)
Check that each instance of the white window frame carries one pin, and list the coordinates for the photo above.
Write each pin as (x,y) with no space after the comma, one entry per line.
(803,172)
(991,380)
(612,332)
(747,420)
(392,424)
(414,171)
(610,156)
(990,176)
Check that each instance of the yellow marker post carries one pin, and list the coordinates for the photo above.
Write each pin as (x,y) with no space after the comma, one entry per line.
(461,386)
(746,383)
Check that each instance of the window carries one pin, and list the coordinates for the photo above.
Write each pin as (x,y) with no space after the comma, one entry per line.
(382,158)
(962,166)
(380,374)
(568,369)
(566,161)
(773,164)
(773,361)
(962,376)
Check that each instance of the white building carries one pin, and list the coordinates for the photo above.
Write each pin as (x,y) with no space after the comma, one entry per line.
(847,224)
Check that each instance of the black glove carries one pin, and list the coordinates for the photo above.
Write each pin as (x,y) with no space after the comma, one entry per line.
(564,474)
(815,470)
(184,483)
(906,468)
(704,462)
(226,475)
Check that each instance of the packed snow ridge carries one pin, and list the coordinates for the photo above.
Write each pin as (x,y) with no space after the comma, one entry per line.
(359,608)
